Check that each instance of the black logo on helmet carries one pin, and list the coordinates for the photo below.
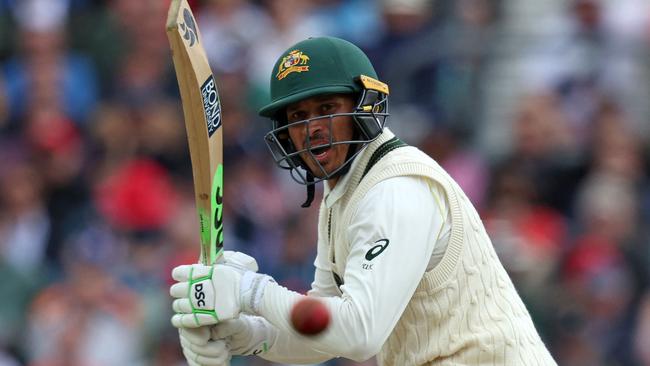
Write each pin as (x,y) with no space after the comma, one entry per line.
(377,249)
(189,27)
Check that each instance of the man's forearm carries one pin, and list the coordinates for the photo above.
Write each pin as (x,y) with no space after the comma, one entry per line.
(349,334)
(292,349)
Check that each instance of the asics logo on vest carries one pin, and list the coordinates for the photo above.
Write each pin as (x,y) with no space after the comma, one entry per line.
(382,244)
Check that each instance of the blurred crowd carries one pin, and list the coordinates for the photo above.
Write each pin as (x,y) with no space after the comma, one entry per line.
(539,109)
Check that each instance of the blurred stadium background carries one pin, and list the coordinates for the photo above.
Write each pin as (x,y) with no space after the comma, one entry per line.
(540,109)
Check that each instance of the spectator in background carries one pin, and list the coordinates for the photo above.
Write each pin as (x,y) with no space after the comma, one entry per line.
(611,196)
(434,54)
(398,55)
(142,75)
(112,136)
(235,25)
(59,154)
(604,273)
(51,93)
(159,118)
(137,196)
(357,21)
(295,270)
(257,212)
(87,318)
(25,229)
(118,134)
(530,236)
(596,305)
(615,148)
(24,221)
(600,43)
(543,146)
(46,71)
(465,43)
(608,210)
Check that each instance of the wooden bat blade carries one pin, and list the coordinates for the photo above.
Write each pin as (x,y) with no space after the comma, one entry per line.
(202,113)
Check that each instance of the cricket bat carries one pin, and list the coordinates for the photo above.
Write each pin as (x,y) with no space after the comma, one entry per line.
(202,113)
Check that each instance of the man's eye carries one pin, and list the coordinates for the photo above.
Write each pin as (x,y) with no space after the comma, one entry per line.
(296,116)
(327,107)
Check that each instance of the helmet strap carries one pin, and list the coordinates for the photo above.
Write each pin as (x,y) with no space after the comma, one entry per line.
(311,190)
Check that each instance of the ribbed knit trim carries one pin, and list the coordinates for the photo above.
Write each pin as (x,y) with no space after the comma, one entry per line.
(437,276)
(381,151)
(357,174)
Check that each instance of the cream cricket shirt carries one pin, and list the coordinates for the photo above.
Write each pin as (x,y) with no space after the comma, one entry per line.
(408,213)
(379,234)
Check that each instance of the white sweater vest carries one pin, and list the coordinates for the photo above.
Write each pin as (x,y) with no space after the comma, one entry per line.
(465,311)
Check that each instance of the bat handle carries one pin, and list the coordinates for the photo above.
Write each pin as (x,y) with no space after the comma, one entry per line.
(221,259)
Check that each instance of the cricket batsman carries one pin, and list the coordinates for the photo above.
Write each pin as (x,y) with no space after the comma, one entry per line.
(403,264)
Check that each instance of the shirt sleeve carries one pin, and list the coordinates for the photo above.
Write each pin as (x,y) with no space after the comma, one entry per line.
(323,284)
(392,236)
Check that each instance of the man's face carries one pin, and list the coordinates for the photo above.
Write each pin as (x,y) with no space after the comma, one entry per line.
(318,132)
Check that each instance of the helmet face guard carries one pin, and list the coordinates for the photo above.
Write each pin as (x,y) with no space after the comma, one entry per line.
(369,117)
(323,66)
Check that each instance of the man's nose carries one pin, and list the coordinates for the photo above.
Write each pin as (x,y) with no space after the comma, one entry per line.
(316,126)
(317,122)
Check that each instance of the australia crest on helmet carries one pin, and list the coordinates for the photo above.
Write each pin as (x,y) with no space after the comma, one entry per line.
(295,61)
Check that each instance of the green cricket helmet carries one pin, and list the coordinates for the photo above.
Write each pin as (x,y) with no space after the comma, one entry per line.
(318,66)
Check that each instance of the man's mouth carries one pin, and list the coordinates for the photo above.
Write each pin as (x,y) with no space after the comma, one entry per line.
(319,146)
(321,153)
(320,150)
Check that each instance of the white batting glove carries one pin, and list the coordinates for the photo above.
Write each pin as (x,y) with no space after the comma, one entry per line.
(246,335)
(240,259)
(200,350)
(206,295)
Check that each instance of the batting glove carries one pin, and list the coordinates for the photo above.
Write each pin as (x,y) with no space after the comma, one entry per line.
(206,295)
(200,350)
(246,335)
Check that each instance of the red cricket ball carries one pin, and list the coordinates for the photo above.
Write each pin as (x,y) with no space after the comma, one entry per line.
(309,316)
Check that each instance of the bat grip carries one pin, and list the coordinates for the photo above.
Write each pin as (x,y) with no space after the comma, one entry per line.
(221,259)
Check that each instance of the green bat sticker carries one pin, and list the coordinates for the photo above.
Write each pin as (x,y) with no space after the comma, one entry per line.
(212,224)
(204,223)
(216,231)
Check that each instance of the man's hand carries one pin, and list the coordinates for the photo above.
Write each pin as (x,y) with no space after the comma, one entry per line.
(246,335)
(206,295)
(200,350)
